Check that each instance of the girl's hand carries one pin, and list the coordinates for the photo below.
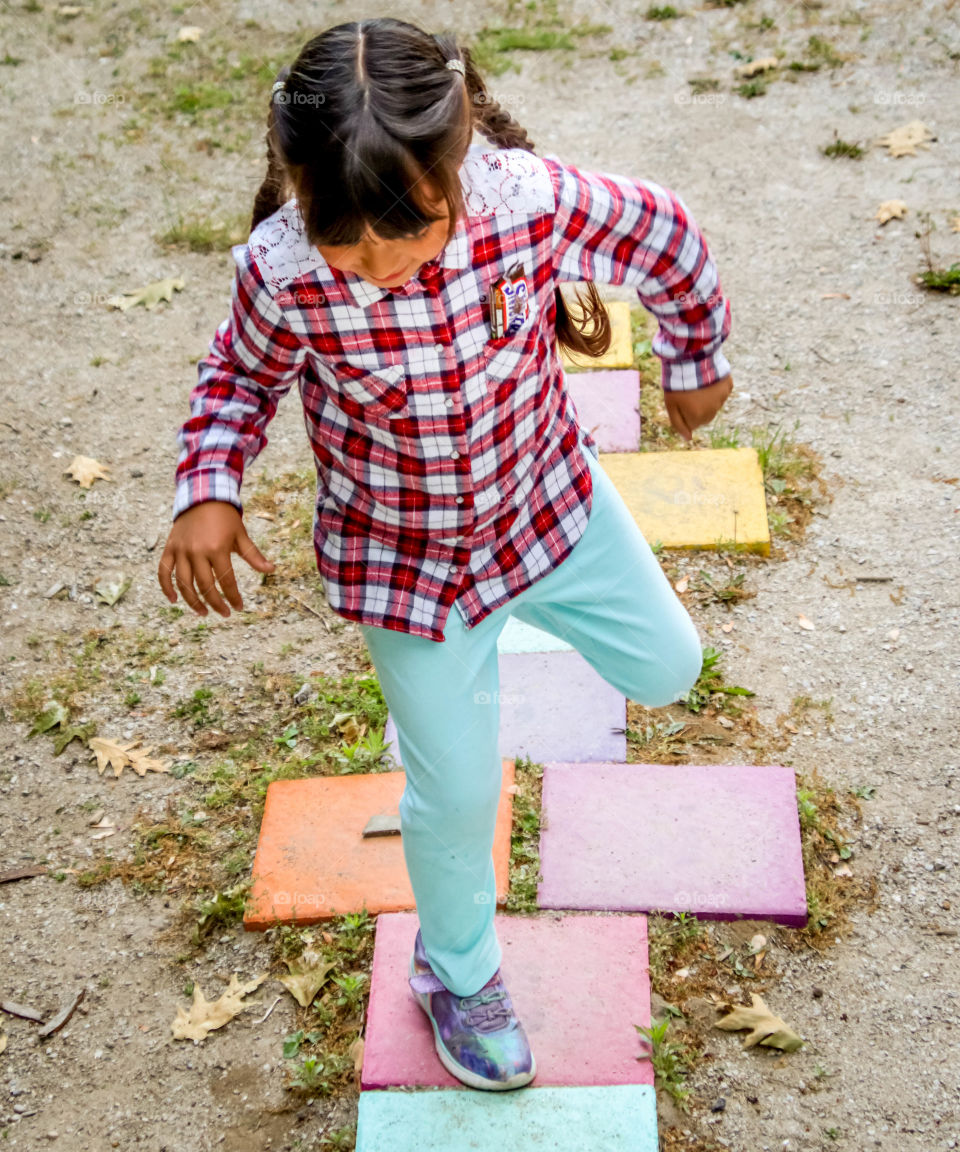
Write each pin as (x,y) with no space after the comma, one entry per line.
(688,410)
(198,552)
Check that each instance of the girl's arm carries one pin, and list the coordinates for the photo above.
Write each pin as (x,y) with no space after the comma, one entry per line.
(621,230)
(253,361)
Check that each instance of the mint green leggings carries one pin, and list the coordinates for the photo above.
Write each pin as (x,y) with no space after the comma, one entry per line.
(611,601)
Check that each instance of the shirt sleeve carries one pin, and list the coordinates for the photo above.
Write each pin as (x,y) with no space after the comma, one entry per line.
(252,362)
(619,230)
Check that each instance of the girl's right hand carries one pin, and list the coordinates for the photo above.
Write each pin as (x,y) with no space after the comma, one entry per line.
(198,555)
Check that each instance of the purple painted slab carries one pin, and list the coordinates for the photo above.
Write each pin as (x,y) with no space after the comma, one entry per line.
(553,705)
(608,405)
(578,983)
(719,840)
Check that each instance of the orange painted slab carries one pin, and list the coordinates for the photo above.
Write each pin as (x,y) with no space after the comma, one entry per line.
(313,861)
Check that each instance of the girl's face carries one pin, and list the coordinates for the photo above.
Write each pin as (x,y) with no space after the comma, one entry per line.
(389,263)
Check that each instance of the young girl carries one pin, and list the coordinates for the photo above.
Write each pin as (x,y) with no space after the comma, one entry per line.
(406,281)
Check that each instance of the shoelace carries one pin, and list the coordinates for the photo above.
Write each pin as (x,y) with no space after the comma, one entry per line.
(487,1011)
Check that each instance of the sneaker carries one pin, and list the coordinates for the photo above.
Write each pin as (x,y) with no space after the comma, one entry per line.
(478,1038)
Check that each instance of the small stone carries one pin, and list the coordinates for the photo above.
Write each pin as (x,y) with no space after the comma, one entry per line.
(718,1105)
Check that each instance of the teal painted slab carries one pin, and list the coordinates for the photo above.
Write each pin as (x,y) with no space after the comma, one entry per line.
(615,1118)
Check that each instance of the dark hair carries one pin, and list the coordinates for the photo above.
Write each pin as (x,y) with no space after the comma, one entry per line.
(367,109)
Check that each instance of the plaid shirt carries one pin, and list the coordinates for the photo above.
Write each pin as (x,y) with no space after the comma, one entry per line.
(450,465)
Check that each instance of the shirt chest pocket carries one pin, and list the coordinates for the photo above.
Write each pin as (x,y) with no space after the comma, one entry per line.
(511,357)
(371,393)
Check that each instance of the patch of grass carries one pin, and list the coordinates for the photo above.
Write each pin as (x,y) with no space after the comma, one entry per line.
(701,84)
(197,708)
(672,1061)
(824,816)
(935,278)
(662,12)
(658,740)
(710,687)
(525,837)
(842,149)
(199,234)
(729,591)
(542,29)
(751,88)
(221,910)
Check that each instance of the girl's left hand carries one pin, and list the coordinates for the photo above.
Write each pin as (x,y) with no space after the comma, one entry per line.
(688,410)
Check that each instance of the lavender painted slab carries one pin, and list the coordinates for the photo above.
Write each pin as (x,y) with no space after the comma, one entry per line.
(722,841)
(608,405)
(553,705)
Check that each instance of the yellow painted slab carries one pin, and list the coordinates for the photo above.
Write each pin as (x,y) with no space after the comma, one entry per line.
(700,499)
(620,352)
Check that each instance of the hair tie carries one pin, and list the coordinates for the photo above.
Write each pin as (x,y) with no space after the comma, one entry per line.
(457,66)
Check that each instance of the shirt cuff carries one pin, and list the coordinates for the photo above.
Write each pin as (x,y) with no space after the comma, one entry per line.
(689,375)
(198,487)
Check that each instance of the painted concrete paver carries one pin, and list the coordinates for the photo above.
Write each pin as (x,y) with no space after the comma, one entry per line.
(608,406)
(698,499)
(518,636)
(579,984)
(615,1118)
(313,861)
(620,353)
(553,705)
(722,841)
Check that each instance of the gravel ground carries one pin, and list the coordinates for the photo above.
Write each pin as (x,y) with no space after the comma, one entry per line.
(830,336)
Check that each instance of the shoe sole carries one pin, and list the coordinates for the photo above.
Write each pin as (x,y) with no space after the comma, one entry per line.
(471,1079)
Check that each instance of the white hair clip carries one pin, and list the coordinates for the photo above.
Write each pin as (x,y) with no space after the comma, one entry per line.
(277,86)
(457,66)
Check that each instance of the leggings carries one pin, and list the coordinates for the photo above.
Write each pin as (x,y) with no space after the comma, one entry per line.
(609,599)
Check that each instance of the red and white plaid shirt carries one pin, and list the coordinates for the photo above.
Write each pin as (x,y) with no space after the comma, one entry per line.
(450,465)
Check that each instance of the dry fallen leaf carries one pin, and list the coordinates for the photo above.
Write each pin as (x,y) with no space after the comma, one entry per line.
(84,469)
(189,34)
(3,1041)
(955,224)
(682,584)
(356,1051)
(725,722)
(905,140)
(843,870)
(110,754)
(149,296)
(805,623)
(110,591)
(206,1015)
(891,210)
(308,974)
(765,1028)
(728,627)
(755,67)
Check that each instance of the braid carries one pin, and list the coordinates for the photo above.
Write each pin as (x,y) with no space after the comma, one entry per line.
(272,191)
(589,333)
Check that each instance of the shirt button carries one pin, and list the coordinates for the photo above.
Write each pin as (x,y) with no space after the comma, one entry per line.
(439,347)
(454,569)
(454,455)
(449,402)
(459,499)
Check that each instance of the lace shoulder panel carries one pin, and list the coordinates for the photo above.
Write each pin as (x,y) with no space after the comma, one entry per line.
(509,180)
(280,248)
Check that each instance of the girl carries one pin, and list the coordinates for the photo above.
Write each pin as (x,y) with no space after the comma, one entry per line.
(406,280)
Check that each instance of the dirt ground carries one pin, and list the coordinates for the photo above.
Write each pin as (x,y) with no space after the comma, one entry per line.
(831,338)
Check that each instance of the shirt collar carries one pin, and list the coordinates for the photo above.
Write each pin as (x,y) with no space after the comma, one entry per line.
(456,254)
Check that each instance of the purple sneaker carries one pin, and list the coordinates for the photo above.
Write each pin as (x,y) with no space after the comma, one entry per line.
(478,1038)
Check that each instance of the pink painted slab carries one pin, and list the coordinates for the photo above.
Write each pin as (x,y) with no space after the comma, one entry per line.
(578,984)
(608,405)
(719,840)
